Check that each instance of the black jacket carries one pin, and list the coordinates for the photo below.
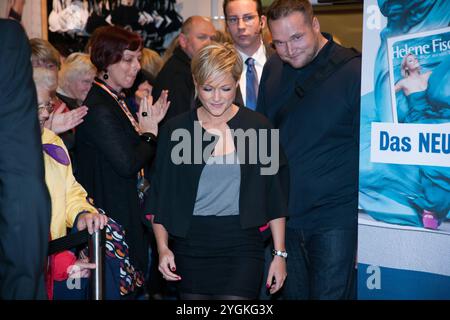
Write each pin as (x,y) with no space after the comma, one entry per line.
(174,187)
(24,200)
(109,155)
(176,77)
(320,135)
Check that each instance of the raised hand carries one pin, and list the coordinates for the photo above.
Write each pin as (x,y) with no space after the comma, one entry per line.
(150,115)
(60,121)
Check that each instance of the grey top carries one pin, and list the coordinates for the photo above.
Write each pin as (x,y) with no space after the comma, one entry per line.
(218,188)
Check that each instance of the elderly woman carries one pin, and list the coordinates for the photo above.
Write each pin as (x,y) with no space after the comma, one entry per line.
(114,147)
(74,82)
(68,198)
(64,117)
(75,79)
(213,207)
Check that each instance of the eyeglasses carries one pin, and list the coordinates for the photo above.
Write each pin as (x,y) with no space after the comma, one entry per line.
(248,20)
(294,40)
(49,106)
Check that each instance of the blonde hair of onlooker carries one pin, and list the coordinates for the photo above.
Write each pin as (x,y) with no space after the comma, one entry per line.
(76,64)
(151,61)
(45,79)
(43,53)
(216,60)
(222,37)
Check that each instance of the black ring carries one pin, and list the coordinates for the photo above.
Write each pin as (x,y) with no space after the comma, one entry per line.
(144,114)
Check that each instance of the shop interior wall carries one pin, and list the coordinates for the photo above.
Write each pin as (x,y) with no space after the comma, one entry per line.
(345,23)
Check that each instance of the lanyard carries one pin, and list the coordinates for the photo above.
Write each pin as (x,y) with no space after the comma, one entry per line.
(122,105)
(127,112)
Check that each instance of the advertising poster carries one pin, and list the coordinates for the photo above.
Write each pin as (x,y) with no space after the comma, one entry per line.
(404,193)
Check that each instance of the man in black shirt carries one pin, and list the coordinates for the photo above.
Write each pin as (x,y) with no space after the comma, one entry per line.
(176,75)
(314,101)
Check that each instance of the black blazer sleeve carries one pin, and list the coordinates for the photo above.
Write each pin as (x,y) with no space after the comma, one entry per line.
(159,169)
(24,200)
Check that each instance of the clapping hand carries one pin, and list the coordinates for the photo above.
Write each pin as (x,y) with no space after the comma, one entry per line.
(60,121)
(150,115)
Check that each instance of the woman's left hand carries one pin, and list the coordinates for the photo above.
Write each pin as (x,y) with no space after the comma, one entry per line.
(150,114)
(277,274)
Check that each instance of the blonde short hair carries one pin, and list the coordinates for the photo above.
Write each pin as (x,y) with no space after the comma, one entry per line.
(77,64)
(42,52)
(45,79)
(404,69)
(215,60)
(151,61)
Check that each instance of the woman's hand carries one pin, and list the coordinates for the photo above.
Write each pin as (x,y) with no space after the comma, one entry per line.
(81,269)
(277,274)
(150,114)
(167,265)
(91,221)
(60,121)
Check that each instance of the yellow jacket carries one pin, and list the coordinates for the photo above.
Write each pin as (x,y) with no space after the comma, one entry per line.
(67,195)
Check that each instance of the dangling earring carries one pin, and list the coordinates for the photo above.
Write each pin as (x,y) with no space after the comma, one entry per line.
(105,75)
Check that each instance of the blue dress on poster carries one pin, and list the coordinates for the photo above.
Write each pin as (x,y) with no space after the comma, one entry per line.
(400,193)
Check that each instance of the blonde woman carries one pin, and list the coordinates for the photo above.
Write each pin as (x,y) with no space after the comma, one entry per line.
(213,209)
(75,79)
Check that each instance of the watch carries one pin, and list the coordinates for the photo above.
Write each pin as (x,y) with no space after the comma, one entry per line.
(148,137)
(280,253)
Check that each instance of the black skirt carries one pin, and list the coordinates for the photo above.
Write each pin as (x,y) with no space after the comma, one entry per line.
(218,257)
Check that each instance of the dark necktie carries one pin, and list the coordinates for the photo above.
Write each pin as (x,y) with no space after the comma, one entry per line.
(251,84)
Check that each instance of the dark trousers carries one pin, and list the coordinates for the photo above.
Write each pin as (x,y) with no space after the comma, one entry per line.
(321,264)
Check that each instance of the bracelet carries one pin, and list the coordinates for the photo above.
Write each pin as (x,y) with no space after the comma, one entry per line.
(148,137)
(280,253)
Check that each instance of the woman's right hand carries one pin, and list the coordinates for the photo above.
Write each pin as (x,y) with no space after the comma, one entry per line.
(167,265)
(153,113)
(81,269)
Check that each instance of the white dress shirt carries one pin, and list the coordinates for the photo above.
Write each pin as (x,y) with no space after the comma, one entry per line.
(260,60)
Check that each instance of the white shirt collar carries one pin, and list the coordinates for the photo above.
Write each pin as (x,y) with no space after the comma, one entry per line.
(259,56)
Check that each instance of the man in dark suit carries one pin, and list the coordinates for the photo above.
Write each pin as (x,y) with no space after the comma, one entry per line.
(245,22)
(175,76)
(24,199)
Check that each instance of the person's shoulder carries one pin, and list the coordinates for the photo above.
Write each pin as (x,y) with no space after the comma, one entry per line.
(180,121)
(253,119)
(274,62)
(49,137)
(12,33)
(10,25)
(97,97)
(354,58)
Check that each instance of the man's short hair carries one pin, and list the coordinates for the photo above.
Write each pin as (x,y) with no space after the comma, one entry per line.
(282,8)
(187,25)
(259,7)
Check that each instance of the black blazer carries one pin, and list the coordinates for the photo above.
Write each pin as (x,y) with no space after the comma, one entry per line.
(176,77)
(174,187)
(24,200)
(109,155)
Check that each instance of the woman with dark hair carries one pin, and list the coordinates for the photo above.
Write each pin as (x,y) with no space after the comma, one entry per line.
(114,147)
